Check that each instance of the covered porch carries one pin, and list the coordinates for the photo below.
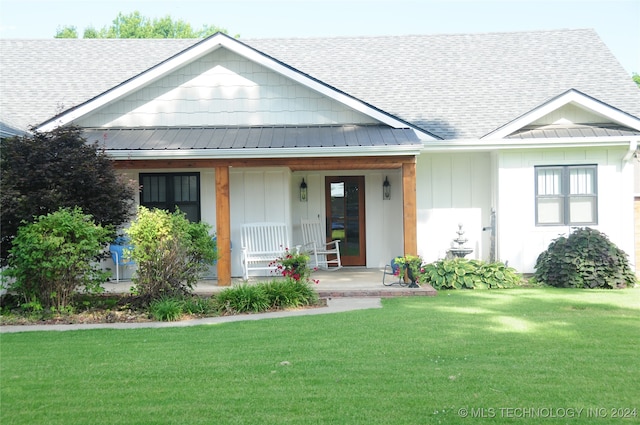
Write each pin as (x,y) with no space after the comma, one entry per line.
(226,188)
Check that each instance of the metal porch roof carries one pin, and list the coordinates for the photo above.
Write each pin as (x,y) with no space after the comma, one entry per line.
(573,130)
(216,138)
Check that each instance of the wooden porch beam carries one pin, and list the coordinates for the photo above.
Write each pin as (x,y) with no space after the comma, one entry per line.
(410,215)
(223,225)
(295,164)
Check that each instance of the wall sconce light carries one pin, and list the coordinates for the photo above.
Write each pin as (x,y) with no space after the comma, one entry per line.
(303,191)
(386,189)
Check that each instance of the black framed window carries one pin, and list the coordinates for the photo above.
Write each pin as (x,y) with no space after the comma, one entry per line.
(566,195)
(169,191)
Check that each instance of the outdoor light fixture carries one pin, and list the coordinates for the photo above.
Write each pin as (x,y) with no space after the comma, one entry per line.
(303,191)
(386,189)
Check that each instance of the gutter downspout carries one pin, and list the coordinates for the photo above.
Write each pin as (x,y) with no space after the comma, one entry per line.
(633,147)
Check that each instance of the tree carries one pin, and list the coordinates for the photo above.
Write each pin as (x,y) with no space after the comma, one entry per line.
(636,78)
(43,172)
(134,25)
(67,32)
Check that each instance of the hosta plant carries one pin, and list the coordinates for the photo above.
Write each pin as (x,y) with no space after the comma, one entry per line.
(461,273)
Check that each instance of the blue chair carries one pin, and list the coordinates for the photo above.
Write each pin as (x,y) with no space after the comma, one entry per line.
(120,251)
(394,271)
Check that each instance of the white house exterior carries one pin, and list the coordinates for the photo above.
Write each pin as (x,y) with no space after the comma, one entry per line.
(518,155)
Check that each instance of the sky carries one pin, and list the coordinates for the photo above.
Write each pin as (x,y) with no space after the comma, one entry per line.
(617,22)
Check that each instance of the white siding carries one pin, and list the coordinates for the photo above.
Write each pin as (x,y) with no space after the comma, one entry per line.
(383,219)
(520,240)
(223,89)
(571,113)
(453,189)
(257,194)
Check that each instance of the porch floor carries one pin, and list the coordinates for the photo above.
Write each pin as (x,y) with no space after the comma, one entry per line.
(346,282)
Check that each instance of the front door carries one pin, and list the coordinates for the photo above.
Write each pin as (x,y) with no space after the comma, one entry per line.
(345,217)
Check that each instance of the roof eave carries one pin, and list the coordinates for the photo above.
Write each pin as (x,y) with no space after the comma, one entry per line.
(482,145)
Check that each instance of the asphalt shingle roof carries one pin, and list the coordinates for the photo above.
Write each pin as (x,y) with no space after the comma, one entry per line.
(455,86)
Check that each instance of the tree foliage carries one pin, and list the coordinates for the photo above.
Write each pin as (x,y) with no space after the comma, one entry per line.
(43,172)
(636,79)
(134,25)
(67,32)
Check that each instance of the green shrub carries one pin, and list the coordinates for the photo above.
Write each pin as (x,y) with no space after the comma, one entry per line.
(289,293)
(170,252)
(461,273)
(584,259)
(55,256)
(243,298)
(166,309)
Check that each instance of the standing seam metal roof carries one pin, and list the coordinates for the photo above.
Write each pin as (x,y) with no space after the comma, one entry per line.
(248,137)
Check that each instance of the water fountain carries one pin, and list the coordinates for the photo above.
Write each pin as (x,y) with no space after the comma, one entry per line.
(458,249)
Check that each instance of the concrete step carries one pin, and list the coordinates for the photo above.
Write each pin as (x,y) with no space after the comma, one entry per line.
(423,291)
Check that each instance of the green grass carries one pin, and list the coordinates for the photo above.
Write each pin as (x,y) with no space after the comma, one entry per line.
(415,361)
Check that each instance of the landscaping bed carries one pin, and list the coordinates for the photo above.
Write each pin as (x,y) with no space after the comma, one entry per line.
(126,308)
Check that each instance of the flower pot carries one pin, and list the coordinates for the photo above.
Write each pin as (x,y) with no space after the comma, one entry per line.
(411,277)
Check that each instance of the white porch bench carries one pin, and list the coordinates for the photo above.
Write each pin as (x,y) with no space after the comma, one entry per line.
(261,244)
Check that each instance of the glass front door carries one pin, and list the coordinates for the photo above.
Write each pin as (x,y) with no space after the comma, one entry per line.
(345,217)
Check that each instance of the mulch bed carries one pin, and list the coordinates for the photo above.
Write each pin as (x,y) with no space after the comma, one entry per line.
(116,314)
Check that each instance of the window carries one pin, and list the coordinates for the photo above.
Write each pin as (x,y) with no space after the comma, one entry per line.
(168,191)
(566,195)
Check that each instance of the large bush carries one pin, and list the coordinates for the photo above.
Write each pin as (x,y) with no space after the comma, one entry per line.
(44,172)
(170,252)
(584,259)
(55,256)
(461,273)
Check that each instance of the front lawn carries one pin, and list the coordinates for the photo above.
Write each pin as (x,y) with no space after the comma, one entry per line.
(525,356)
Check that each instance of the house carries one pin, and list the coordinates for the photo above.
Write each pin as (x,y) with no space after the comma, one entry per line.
(515,136)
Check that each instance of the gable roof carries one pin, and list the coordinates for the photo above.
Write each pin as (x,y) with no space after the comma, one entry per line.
(574,97)
(454,86)
(202,48)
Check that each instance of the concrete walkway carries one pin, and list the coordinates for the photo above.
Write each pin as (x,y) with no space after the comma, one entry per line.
(334,305)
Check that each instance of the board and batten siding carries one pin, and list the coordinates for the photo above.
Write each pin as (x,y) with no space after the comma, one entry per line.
(520,241)
(223,89)
(453,189)
(383,218)
(257,195)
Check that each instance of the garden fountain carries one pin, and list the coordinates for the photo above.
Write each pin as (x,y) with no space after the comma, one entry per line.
(458,249)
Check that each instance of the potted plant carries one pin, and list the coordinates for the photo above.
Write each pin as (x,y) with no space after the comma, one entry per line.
(294,265)
(410,268)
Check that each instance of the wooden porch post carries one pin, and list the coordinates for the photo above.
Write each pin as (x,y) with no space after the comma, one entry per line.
(410,219)
(223,225)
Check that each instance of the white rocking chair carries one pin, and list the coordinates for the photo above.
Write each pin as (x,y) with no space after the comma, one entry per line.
(315,243)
